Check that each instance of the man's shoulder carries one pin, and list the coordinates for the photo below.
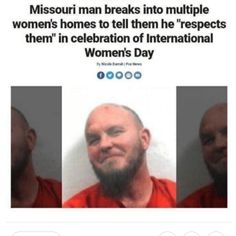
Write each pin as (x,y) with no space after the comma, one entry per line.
(80,199)
(164,183)
(49,193)
(50,184)
(199,198)
(164,193)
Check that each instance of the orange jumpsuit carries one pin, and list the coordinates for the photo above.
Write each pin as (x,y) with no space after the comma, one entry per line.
(205,197)
(49,193)
(163,195)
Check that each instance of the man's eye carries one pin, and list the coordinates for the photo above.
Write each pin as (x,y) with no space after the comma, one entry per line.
(207,140)
(93,141)
(115,132)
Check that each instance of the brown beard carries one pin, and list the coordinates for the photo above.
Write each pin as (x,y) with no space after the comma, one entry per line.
(18,169)
(116,183)
(220,180)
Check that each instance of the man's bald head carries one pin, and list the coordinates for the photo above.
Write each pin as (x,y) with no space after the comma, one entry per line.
(107,106)
(18,116)
(213,111)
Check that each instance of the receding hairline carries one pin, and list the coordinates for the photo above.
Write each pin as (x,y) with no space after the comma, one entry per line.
(126,108)
(21,116)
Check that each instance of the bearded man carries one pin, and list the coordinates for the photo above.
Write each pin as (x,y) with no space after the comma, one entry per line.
(117,142)
(213,137)
(27,189)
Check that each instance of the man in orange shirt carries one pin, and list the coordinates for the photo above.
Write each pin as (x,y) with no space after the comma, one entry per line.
(27,189)
(213,136)
(117,142)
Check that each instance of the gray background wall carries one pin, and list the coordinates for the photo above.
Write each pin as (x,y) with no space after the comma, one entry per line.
(192,102)
(42,108)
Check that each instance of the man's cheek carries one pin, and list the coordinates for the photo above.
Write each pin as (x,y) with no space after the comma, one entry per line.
(93,157)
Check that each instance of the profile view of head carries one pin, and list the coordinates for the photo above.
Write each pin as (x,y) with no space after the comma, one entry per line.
(23,140)
(27,189)
(213,136)
(117,144)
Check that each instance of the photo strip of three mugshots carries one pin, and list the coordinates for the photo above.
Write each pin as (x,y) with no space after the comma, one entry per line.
(136,148)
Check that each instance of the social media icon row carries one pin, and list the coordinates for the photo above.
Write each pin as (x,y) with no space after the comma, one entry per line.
(119,75)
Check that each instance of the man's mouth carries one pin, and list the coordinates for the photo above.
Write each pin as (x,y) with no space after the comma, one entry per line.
(109,156)
(222,158)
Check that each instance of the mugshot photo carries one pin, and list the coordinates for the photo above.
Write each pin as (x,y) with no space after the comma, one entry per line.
(202,147)
(119,148)
(36,147)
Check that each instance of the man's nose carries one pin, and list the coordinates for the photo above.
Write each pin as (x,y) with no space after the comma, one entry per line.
(105,142)
(221,141)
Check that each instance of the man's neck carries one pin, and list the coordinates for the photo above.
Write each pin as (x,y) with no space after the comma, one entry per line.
(140,189)
(24,189)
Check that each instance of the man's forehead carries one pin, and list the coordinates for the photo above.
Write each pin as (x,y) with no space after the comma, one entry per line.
(108,109)
(215,111)
(215,114)
(108,114)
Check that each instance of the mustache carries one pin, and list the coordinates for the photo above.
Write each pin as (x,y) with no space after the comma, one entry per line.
(220,154)
(108,154)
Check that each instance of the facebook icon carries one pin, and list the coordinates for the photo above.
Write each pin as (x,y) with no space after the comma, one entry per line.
(100,75)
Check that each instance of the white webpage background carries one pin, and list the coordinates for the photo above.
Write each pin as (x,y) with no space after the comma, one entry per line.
(65,65)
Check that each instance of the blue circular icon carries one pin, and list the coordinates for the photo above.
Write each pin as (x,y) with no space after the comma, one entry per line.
(110,75)
(137,75)
(100,75)
(128,75)
(119,75)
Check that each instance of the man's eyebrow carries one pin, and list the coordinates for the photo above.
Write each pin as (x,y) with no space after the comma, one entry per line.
(109,129)
(90,134)
(115,127)
(204,135)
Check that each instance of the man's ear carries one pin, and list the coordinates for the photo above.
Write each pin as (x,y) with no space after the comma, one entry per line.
(31,138)
(145,137)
